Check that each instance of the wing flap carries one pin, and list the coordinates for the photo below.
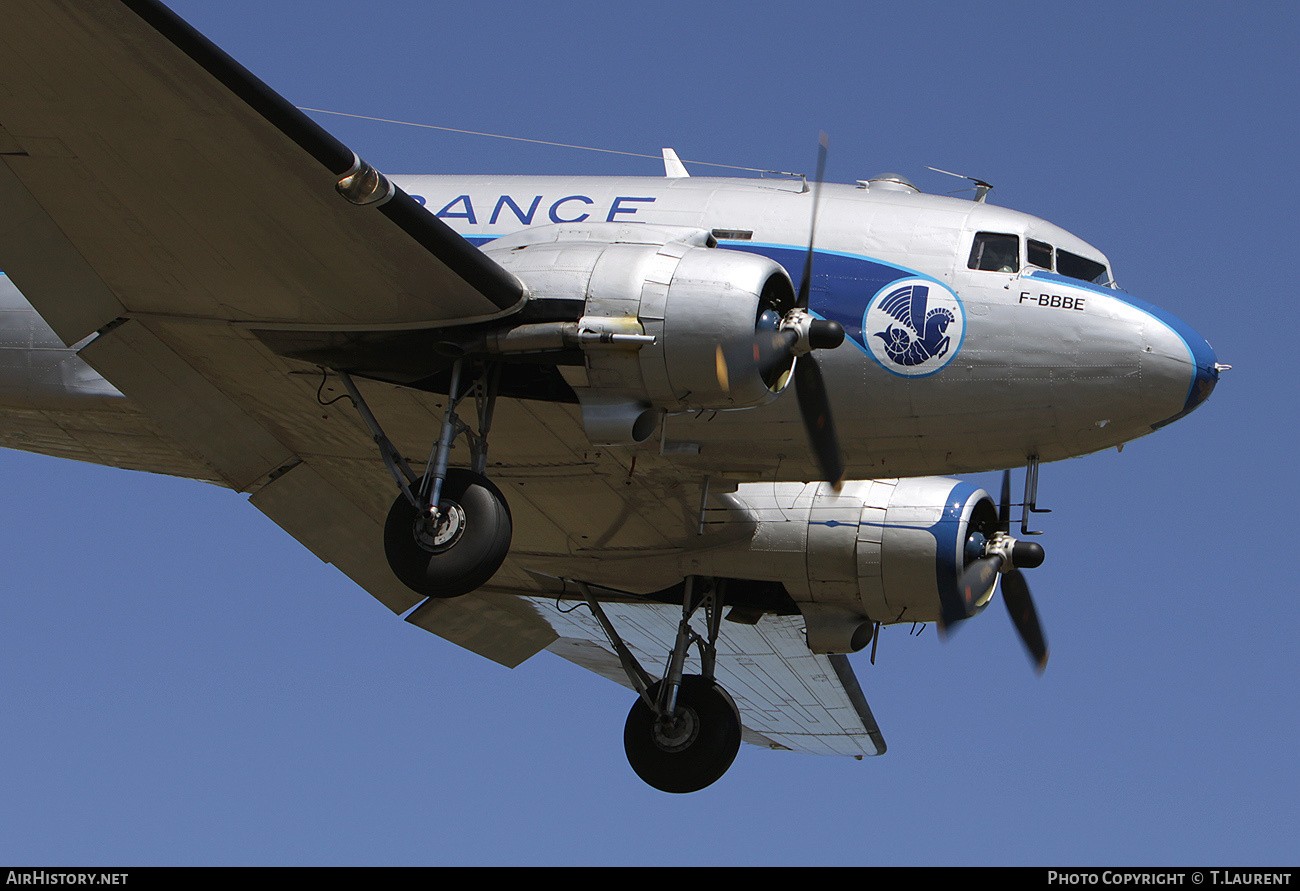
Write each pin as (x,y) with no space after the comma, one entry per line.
(309,507)
(193,190)
(72,298)
(186,404)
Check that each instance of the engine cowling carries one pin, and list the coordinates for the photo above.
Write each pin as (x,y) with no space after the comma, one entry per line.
(670,322)
(886,551)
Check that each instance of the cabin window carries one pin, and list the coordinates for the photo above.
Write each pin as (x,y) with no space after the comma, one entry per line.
(993,252)
(1039,254)
(1081,268)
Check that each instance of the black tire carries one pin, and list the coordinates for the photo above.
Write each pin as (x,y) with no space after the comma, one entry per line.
(475,539)
(701,755)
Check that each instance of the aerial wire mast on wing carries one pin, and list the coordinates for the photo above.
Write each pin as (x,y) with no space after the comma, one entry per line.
(586,148)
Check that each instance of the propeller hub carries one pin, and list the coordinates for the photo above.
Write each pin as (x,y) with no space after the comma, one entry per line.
(1027,554)
(823,334)
(805,332)
(1015,554)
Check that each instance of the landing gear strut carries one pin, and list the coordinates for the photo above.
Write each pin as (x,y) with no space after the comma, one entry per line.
(684,730)
(448,531)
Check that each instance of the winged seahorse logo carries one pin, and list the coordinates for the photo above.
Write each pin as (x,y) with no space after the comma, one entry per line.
(921,335)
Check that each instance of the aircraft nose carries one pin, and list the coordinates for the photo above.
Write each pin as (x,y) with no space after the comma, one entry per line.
(1207,375)
(1183,355)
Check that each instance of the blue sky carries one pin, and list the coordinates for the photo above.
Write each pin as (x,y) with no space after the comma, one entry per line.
(183,683)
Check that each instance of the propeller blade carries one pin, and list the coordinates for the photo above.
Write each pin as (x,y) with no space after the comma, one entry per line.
(774,349)
(976,581)
(1020,606)
(1004,506)
(979,576)
(805,283)
(815,407)
(810,388)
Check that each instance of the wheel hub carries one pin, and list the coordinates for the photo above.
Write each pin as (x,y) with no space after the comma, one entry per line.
(677,734)
(442,531)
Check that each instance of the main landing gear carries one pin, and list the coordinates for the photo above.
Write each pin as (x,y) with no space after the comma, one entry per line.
(684,730)
(449,530)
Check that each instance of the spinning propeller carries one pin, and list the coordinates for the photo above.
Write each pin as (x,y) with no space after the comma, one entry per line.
(1003,555)
(795,337)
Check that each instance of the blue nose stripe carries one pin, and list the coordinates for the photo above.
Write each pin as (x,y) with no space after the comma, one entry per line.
(1203,385)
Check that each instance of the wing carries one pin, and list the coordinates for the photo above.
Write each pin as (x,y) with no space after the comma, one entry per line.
(146,174)
(159,197)
(789,698)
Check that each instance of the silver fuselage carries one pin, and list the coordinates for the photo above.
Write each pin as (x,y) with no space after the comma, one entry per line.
(1031,362)
(1038,363)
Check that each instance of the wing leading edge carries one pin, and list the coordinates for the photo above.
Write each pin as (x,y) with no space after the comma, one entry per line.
(183,187)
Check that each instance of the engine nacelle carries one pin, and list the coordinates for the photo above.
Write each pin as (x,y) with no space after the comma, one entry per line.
(886,551)
(709,311)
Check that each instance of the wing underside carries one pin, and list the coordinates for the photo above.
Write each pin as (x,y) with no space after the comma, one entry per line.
(147,174)
(789,698)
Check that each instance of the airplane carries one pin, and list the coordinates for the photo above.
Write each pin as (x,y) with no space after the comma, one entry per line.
(705,423)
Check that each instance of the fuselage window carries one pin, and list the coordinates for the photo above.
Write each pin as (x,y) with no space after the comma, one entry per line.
(1039,254)
(993,252)
(1081,268)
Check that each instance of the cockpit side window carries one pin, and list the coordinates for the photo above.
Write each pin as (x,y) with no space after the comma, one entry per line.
(994,252)
(1039,254)
(1081,268)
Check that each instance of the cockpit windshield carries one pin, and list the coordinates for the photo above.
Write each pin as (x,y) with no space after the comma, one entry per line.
(1081,267)
(1000,252)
